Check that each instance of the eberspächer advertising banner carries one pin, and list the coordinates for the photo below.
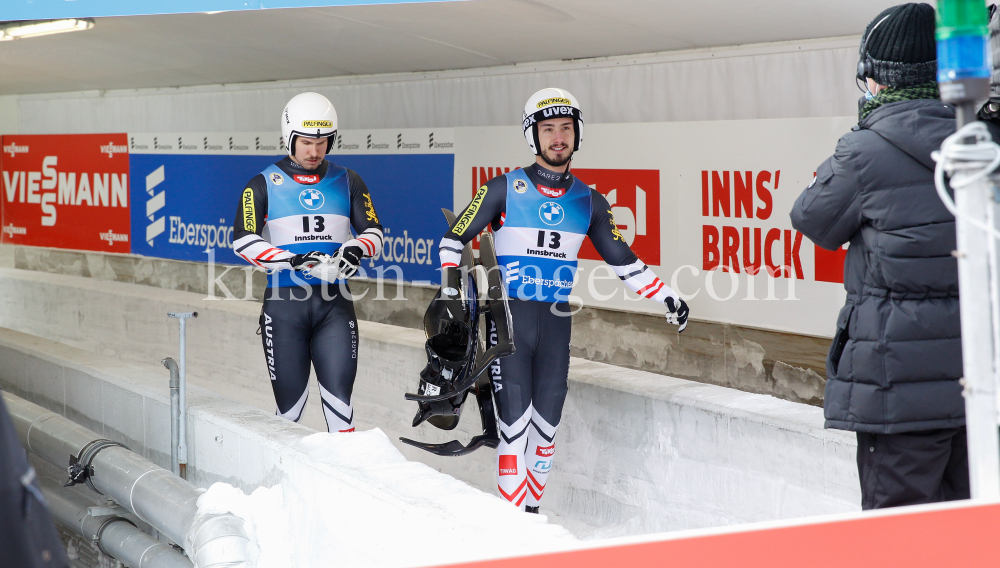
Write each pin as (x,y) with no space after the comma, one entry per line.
(186,200)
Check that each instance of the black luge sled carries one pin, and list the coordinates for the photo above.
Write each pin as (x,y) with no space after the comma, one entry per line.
(496,304)
(489,438)
(443,408)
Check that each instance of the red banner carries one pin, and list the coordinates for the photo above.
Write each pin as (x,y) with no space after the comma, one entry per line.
(830,264)
(66,191)
(634,197)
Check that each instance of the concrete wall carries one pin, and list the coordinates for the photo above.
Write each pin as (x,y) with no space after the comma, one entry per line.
(638,452)
(784,365)
(248,448)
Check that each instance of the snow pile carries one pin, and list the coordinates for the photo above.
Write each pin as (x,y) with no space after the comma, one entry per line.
(356,501)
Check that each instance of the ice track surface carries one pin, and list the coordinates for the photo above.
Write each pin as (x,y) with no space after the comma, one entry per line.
(372,507)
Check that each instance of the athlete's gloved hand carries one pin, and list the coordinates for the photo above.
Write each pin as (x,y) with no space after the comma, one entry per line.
(308,260)
(348,260)
(677,313)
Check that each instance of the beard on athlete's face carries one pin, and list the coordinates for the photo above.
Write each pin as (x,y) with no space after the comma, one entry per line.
(556,160)
(556,139)
(309,152)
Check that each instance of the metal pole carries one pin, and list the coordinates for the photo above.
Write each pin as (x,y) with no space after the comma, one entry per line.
(963,76)
(175,413)
(182,431)
(166,502)
(975,291)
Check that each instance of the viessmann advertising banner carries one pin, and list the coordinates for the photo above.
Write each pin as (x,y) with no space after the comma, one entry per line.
(706,205)
(187,187)
(67,191)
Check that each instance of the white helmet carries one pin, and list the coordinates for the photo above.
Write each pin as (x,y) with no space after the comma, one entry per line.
(310,115)
(551,103)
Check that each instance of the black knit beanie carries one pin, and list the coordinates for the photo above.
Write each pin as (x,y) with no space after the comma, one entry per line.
(902,48)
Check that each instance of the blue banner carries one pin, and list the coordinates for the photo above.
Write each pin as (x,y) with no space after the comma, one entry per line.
(183,207)
(54,9)
(408,191)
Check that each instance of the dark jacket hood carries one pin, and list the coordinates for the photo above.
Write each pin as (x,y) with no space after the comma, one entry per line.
(915,127)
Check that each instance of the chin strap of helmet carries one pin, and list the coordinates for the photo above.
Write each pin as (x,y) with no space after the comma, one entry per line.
(331,141)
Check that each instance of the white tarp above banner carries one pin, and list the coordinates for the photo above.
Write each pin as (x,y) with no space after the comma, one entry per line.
(786,80)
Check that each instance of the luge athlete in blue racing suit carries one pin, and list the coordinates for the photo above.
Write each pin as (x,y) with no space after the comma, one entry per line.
(293,217)
(540,216)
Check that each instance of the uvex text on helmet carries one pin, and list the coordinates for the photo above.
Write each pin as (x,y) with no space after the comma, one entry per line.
(547,104)
(310,115)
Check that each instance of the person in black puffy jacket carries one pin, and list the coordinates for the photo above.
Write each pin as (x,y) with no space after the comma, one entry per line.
(894,366)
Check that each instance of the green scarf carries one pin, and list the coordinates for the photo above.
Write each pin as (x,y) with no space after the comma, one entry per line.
(895,94)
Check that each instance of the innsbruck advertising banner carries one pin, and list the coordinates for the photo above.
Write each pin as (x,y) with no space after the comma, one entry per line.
(705,204)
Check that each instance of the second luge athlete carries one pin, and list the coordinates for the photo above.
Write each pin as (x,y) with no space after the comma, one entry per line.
(540,216)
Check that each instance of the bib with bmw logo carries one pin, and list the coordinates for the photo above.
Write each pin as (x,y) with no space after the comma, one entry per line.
(306,213)
(537,245)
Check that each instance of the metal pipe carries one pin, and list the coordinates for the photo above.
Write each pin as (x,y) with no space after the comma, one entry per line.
(182,446)
(175,414)
(182,438)
(963,74)
(114,534)
(166,502)
(965,112)
(975,291)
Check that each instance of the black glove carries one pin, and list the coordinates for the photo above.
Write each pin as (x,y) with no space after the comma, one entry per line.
(349,260)
(308,260)
(677,313)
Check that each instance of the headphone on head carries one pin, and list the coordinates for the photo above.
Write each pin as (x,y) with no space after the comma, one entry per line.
(866,65)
